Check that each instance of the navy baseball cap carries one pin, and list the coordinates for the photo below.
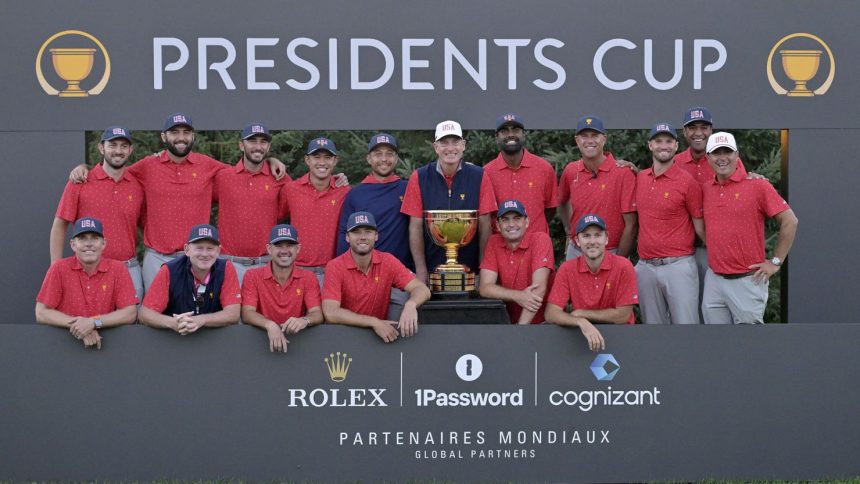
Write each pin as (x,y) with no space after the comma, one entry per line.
(283,233)
(256,129)
(203,232)
(509,206)
(589,220)
(510,118)
(360,219)
(317,144)
(381,139)
(590,122)
(698,113)
(114,132)
(177,119)
(660,128)
(88,224)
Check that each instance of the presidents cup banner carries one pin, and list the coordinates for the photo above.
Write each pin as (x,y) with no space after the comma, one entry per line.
(377,64)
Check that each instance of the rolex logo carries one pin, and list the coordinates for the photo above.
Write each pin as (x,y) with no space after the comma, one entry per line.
(338,366)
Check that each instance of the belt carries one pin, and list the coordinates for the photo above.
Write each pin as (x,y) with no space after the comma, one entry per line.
(173,254)
(133,262)
(248,261)
(736,276)
(662,261)
(314,269)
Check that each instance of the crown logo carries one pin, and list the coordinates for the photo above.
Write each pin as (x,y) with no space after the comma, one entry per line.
(338,366)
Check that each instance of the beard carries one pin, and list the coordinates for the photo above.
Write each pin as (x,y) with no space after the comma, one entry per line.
(179,153)
(511,148)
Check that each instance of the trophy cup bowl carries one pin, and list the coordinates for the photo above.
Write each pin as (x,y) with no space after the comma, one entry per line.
(800,66)
(452,229)
(73,66)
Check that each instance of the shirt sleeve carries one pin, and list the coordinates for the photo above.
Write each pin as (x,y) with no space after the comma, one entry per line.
(487,203)
(250,296)
(771,201)
(564,184)
(694,199)
(402,275)
(312,297)
(332,281)
(490,261)
(628,191)
(551,193)
(345,212)
(627,293)
(67,209)
(412,203)
(230,293)
(156,297)
(125,294)
(138,170)
(560,293)
(542,252)
(284,201)
(51,292)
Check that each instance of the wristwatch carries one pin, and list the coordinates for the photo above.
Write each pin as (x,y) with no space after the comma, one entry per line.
(98,323)
(776,261)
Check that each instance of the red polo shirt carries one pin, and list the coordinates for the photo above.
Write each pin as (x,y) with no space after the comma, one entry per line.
(666,205)
(315,215)
(734,218)
(178,197)
(158,294)
(70,290)
(608,192)
(613,286)
(249,205)
(361,293)
(118,204)
(533,183)
(413,205)
(262,291)
(515,268)
(699,168)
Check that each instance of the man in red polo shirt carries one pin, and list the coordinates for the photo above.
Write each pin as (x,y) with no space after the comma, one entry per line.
(449,183)
(280,297)
(736,285)
(517,265)
(596,185)
(669,203)
(87,292)
(112,196)
(601,286)
(518,174)
(194,290)
(313,203)
(358,284)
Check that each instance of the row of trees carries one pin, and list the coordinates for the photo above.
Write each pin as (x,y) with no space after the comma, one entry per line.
(759,150)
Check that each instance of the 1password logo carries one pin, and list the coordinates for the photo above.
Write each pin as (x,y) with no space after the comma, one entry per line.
(469,367)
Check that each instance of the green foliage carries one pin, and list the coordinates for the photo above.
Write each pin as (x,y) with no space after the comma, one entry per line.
(759,150)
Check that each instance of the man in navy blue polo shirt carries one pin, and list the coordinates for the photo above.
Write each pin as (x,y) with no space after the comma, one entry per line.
(381,193)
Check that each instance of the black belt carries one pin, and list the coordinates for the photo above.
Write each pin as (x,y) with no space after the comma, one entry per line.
(662,261)
(248,261)
(736,276)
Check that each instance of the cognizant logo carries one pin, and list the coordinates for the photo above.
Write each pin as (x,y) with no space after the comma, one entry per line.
(604,368)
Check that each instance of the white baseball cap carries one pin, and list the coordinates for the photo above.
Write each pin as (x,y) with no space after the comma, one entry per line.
(448,128)
(720,140)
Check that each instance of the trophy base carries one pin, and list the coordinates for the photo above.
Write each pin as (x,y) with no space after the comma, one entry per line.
(803,93)
(453,284)
(73,93)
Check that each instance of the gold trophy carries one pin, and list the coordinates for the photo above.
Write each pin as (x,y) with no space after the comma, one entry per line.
(73,66)
(451,229)
(800,66)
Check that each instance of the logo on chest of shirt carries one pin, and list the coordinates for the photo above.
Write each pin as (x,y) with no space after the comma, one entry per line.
(737,196)
(666,195)
(266,187)
(531,184)
(376,279)
(104,287)
(130,198)
(298,292)
(603,186)
(462,196)
(333,201)
(608,285)
(194,174)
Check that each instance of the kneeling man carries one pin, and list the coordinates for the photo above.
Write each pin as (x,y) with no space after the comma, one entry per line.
(86,292)
(517,265)
(194,290)
(600,285)
(358,283)
(279,297)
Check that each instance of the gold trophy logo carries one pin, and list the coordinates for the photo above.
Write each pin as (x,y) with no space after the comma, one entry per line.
(801,66)
(73,65)
(451,229)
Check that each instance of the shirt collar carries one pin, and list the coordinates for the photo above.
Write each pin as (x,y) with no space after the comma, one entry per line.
(102,267)
(268,274)
(527,161)
(306,180)
(671,173)
(607,164)
(164,157)
(439,168)
(375,258)
(99,172)
(240,167)
(605,265)
(372,180)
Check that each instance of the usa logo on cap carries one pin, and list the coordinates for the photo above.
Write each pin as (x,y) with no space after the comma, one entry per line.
(382,139)
(696,114)
(204,232)
(663,127)
(361,219)
(257,129)
(511,204)
(284,232)
(179,119)
(509,117)
(88,223)
(591,219)
(119,131)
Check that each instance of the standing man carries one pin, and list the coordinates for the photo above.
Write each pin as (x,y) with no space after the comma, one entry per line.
(87,292)
(735,208)
(250,201)
(113,196)
(195,289)
(381,193)
(517,265)
(596,185)
(669,203)
(358,284)
(518,174)
(314,204)
(279,297)
(449,183)
(600,285)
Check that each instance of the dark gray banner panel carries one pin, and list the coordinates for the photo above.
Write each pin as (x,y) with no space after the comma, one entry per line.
(381,64)
(454,403)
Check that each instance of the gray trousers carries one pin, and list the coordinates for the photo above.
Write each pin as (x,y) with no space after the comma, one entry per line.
(669,293)
(319,271)
(137,279)
(702,266)
(733,301)
(573,252)
(152,262)
(395,305)
(242,265)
